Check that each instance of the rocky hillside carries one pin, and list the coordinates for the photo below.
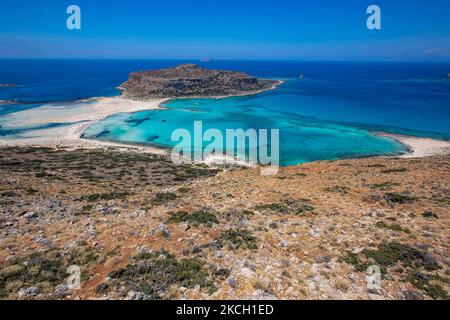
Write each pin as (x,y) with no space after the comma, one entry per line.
(140,227)
(191,80)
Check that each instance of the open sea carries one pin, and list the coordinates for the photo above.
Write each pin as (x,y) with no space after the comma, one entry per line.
(330,113)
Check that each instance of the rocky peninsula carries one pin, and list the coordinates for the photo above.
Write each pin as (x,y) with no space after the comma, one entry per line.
(190,80)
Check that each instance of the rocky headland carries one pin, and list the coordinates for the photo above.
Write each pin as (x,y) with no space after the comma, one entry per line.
(190,80)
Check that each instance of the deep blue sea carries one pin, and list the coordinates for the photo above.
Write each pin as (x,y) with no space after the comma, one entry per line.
(328,114)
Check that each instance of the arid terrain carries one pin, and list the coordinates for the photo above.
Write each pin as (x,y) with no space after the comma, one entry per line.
(140,227)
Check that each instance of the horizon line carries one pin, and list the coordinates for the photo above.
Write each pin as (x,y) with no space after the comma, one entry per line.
(232,59)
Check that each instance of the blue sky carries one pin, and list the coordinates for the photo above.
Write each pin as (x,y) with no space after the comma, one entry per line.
(227,29)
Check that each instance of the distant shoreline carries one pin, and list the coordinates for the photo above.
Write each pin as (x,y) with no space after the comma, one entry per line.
(418,147)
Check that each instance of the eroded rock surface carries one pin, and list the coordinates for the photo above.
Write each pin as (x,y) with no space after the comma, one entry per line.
(191,80)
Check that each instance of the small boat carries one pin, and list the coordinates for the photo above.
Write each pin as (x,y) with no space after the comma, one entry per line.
(302,76)
(4,85)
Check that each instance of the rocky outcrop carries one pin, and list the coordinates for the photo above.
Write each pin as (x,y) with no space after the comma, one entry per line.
(188,80)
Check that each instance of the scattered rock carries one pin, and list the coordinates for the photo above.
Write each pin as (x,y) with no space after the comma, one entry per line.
(283,243)
(261,295)
(28,292)
(196,250)
(31,215)
(133,295)
(102,288)
(376,214)
(161,231)
(430,215)
(412,295)
(247,273)
(61,290)
(40,240)
(273,225)
(232,282)
(91,232)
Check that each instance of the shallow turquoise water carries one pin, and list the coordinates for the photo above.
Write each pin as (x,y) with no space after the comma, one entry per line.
(302,139)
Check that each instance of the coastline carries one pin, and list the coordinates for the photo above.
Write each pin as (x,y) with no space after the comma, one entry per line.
(244,94)
(80,115)
(75,118)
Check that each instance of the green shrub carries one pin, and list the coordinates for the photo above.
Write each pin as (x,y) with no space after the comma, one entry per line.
(198,217)
(154,273)
(163,197)
(384,185)
(289,206)
(338,189)
(411,261)
(395,227)
(394,170)
(398,198)
(87,207)
(238,239)
(277,207)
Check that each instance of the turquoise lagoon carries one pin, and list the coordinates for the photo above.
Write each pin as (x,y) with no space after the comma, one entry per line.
(330,114)
(302,139)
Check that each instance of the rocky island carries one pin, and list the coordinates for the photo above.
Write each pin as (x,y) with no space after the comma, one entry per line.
(190,80)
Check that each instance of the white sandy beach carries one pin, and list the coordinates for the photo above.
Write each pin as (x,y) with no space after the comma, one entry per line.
(419,147)
(92,109)
(78,115)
